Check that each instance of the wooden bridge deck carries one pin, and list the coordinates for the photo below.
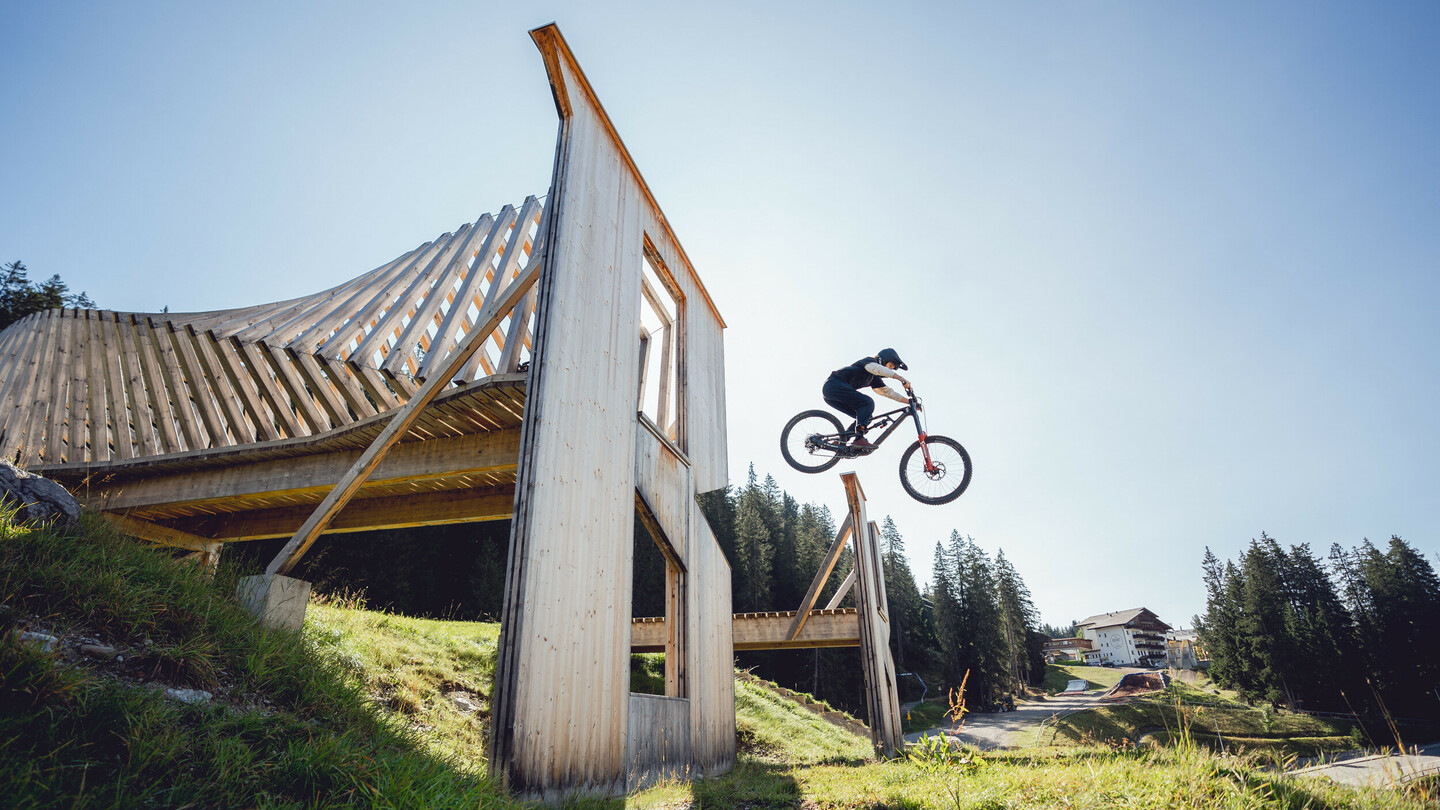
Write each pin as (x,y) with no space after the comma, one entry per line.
(839,627)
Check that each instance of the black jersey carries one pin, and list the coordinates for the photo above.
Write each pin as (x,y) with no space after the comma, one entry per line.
(855,375)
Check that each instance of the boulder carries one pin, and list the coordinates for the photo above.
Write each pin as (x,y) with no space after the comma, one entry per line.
(40,499)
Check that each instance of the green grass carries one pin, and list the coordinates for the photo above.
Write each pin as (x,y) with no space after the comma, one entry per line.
(1218,724)
(925,716)
(289,726)
(1057,676)
(353,713)
(773,730)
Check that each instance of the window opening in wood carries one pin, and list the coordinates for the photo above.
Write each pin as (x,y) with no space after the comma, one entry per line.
(660,315)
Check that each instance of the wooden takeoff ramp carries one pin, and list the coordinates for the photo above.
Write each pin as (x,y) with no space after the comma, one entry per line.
(558,363)
(866,626)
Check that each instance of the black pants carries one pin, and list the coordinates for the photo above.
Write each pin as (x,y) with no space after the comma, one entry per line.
(847,400)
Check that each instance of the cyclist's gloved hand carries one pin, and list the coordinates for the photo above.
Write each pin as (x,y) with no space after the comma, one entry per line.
(919,406)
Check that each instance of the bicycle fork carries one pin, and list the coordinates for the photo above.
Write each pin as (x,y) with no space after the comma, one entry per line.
(920,433)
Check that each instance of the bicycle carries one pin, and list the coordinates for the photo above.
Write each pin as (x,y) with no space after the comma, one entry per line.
(933,470)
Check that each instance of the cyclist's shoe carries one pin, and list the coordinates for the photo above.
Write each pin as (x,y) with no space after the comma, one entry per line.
(861,441)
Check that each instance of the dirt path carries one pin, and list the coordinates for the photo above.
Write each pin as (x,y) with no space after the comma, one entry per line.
(990,730)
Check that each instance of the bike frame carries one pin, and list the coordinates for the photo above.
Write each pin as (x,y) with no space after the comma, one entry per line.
(890,420)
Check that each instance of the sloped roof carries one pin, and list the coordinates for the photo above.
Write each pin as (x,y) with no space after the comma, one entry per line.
(1121,618)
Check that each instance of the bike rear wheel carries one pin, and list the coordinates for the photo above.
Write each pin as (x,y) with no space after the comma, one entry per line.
(947,477)
(799,445)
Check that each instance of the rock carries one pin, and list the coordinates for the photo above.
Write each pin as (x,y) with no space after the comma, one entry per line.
(98,651)
(41,500)
(464,702)
(45,641)
(191,696)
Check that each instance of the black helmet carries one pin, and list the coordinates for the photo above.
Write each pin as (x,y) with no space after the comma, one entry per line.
(889,356)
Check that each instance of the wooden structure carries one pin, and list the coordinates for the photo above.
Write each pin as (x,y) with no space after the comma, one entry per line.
(559,364)
(867,625)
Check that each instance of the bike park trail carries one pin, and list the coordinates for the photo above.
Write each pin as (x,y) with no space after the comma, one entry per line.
(992,730)
(1380,770)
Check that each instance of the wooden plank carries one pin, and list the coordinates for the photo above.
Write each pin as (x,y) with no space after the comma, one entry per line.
(659,740)
(311,473)
(167,402)
(99,411)
(122,428)
(881,696)
(363,514)
(58,371)
(767,631)
(447,334)
(300,394)
(148,440)
(447,270)
(322,336)
(324,389)
(79,407)
(377,387)
(242,381)
(204,391)
(376,314)
(37,412)
(187,409)
(347,383)
(20,361)
(842,591)
(159,533)
(827,566)
(401,422)
(241,429)
(156,393)
(265,384)
(389,325)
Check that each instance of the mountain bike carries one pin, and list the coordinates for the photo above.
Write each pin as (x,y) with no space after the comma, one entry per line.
(934,470)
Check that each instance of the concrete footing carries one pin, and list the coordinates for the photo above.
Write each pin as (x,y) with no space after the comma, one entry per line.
(277,601)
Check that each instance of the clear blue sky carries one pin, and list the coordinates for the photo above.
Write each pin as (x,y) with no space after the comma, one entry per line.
(1169,271)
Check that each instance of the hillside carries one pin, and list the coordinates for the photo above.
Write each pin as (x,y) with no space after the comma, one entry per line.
(370,709)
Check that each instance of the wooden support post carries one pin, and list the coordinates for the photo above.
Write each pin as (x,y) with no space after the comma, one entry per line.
(399,423)
(881,698)
(842,591)
(831,557)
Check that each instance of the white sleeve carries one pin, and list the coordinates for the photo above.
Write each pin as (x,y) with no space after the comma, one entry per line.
(880,371)
(890,393)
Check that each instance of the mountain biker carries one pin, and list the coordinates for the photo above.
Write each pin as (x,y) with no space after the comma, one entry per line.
(842,389)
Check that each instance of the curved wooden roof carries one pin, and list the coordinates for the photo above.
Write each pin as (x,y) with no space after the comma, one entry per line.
(93,388)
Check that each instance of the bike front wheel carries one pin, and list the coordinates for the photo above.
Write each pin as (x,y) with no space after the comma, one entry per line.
(802,441)
(947,475)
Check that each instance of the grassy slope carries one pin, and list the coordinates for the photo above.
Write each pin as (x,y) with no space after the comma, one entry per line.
(356,716)
(1057,676)
(288,727)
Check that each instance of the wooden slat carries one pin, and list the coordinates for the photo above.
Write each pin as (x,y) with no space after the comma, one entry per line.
(319,336)
(323,387)
(268,389)
(135,391)
(842,591)
(33,446)
(374,315)
(99,390)
(389,325)
(364,514)
(158,533)
(376,386)
(231,398)
(20,361)
(243,383)
(348,384)
(469,292)
(166,400)
(446,269)
(404,418)
(288,377)
(79,407)
(122,425)
(203,390)
(187,411)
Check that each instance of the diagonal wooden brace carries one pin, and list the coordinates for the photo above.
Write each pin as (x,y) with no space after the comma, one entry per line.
(402,420)
(831,557)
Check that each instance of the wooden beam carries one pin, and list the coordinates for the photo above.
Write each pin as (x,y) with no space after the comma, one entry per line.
(841,592)
(164,535)
(826,567)
(652,525)
(362,514)
(472,454)
(770,631)
(401,422)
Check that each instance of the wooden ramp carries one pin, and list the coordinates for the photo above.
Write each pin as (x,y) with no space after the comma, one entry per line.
(559,364)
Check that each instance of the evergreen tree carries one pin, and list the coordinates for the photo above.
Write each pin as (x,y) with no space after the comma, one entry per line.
(19,296)
(1018,619)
